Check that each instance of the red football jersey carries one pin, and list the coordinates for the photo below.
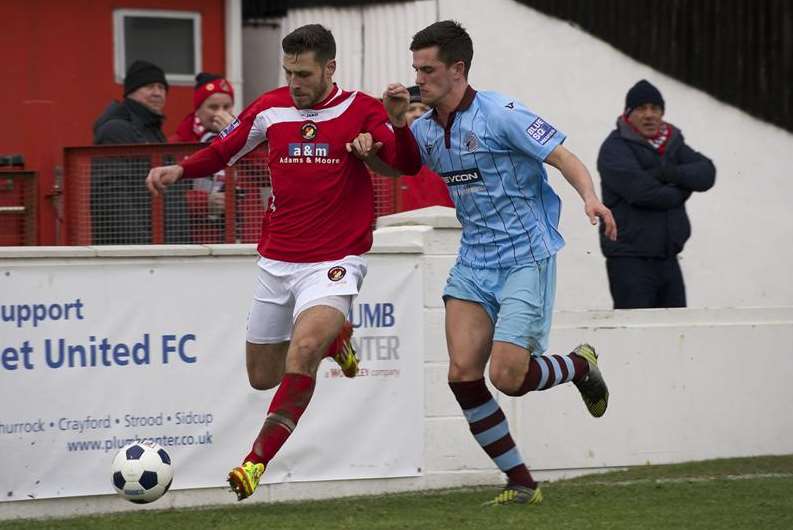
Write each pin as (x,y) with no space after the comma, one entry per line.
(322,206)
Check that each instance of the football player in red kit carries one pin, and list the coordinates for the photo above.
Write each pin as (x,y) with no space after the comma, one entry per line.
(318,226)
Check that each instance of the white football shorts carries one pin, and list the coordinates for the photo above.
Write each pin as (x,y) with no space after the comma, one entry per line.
(284,290)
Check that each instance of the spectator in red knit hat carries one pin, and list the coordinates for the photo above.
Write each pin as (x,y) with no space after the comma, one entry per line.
(213,100)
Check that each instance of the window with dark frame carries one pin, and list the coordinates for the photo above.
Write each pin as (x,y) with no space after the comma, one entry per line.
(169,39)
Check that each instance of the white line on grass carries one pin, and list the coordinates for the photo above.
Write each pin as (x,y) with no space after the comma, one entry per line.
(748,476)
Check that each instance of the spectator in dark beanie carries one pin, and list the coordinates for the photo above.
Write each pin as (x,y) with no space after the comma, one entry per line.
(120,203)
(648,172)
(138,118)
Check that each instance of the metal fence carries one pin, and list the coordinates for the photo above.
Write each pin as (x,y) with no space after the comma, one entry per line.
(107,202)
(739,51)
(17,207)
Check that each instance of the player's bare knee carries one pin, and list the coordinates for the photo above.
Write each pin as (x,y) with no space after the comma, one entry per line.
(505,377)
(263,381)
(461,371)
(306,347)
(304,355)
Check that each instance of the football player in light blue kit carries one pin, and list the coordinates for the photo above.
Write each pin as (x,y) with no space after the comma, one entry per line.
(490,151)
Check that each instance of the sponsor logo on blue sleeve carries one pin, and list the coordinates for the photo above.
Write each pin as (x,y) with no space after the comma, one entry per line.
(540,131)
(229,128)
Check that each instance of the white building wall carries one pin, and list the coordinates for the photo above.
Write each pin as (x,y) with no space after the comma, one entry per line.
(261,49)
(741,250)
(371,42)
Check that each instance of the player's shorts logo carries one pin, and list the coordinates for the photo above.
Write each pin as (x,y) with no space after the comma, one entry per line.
(462,177)
(336,273)
(309,130)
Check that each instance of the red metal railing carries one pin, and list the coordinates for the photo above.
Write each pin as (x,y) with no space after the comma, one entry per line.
(17,207)
(106,201)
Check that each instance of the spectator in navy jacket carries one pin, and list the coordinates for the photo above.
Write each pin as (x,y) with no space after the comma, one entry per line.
(137,119)
(648,172)
(120,203)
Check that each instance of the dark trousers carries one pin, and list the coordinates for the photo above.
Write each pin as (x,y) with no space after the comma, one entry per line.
(645,282)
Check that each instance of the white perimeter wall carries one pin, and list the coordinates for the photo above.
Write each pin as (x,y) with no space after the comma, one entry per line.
(741,250)
(685,384)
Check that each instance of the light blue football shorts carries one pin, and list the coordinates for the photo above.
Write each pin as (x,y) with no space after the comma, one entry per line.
(519,300)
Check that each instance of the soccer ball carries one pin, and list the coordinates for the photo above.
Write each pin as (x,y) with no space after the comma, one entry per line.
(142,472)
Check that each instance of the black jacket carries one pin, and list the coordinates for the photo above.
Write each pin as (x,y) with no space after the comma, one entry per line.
(128,122)
(120,202)
(647,192)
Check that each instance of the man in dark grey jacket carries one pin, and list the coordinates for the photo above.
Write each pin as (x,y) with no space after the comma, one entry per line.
(647,174)
(120,203)
(138,118)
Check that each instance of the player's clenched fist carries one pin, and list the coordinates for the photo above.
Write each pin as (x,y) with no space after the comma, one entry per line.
(160,177)
(396,100)
(363,146)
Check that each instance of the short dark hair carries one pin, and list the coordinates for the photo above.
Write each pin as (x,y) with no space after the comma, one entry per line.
(453,42)
(311,38)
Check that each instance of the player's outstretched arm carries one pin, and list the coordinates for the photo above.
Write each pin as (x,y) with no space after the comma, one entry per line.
(576,173)
(161,177)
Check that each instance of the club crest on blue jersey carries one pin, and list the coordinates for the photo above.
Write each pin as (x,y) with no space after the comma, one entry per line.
(461,177)
(540,131)
(228,128)
(471,142)
(309,130)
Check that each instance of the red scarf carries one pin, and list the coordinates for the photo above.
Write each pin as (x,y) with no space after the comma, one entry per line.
(189,130)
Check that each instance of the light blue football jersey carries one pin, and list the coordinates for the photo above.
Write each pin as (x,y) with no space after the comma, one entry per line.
(491,158)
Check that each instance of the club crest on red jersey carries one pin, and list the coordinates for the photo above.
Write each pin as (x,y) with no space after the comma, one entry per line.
(309,130)
(336,273)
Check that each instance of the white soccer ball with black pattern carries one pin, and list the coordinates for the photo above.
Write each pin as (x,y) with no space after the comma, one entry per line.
(142,472)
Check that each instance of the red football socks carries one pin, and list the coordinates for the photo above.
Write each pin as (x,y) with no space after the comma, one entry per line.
(288,404)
